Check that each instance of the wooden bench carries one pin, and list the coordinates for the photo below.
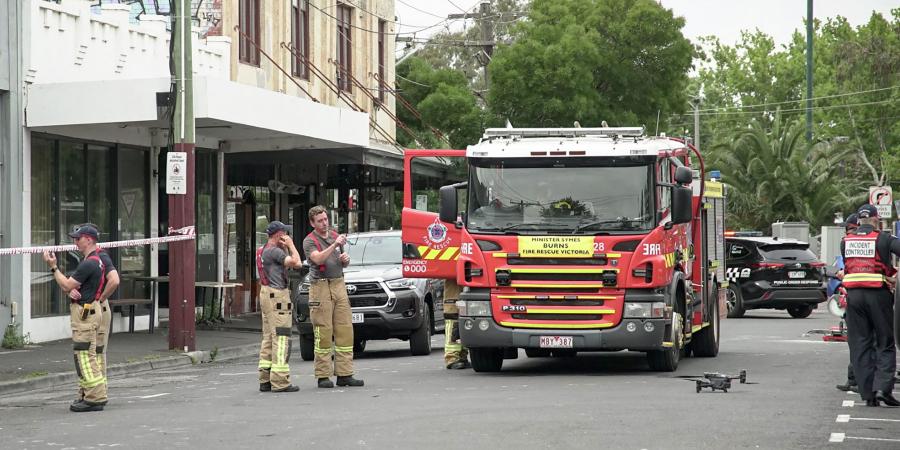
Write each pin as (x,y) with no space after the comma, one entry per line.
(132,303)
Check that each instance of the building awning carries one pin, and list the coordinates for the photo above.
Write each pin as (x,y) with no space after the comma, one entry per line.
(245,118)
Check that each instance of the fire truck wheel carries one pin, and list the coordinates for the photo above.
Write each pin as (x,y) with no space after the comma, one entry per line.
(486,359)
(734,301)
(800,312)
(307,352)
(666,360)
(706,341)
(420,339)
(537,352)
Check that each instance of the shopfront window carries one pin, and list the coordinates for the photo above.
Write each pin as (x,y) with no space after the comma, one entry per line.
(74,182)
(205,211)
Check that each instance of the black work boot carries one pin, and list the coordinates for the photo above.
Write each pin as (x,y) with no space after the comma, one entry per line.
(349,381)
(289,388)
(85,406)
(886,398)
(325,383)
(847,387)
(265,387)
(461,364)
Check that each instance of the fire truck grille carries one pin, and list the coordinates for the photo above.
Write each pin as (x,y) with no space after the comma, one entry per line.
(554,303)
(557,276)
(559,290)
(558,316)
(557,261)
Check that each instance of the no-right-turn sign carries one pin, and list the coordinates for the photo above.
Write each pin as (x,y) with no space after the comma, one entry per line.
(881,198)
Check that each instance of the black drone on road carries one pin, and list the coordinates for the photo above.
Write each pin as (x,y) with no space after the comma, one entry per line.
(717,381)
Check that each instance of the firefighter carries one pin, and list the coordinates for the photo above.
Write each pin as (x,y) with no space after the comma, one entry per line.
(89,279)
(850,226)
(272,261)
(455,355)
(870,333)
(329,305)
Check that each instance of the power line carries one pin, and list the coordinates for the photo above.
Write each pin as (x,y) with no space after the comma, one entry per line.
(850,105)
(376,32)
(801,100)
(420,10)
(411,81)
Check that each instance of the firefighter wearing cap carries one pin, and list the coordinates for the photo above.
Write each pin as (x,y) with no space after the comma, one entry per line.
(112,283)
(870,334)
(455,355)
(329,306)
(89,279)
(272,261)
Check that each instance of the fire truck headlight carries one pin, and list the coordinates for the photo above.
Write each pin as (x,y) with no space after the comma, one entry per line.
(473,308)
(655,310)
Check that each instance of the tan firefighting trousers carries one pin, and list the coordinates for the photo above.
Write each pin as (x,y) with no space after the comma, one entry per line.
(91,380)
(329,310)
(275,349)
(102,339)
(453,348)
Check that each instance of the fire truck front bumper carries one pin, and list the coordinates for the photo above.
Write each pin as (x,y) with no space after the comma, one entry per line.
(630,334)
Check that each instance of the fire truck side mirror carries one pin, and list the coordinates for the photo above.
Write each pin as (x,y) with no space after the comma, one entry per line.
(683,175)
(682,197)
(448,207)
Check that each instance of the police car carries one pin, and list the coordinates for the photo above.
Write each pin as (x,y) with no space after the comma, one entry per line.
(773,273)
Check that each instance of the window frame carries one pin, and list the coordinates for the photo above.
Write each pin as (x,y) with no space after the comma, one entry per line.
(300,38)
(344,25)
(248,19)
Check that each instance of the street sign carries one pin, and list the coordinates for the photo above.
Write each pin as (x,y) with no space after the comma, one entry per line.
(422,202)
(880,197)
(176,173)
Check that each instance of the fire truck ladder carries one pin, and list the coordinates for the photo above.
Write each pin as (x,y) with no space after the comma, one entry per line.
(491,133)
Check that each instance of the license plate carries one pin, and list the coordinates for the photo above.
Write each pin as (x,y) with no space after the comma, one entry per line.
(556,342)
(358,318)
(796,274)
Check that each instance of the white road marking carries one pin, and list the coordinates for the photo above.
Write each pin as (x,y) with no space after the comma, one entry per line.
(837,437)
(867,419)
(155,395)
(848,403)
(843,418)
(873,439)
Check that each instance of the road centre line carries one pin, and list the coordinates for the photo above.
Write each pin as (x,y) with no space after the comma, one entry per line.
(844,418)
(154,395)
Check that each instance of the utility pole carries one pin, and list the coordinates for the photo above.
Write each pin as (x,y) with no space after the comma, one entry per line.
(696,104)
(809,68)
(182,254)
(485,18)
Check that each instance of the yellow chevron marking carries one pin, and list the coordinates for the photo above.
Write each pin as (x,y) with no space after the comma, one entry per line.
(556,325)
(449,253)
(422,250)
(432,254)
(569,311)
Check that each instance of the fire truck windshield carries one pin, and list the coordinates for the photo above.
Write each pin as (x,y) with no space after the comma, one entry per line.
(560,196)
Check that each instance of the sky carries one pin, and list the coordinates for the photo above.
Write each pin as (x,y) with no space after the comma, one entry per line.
(722,18)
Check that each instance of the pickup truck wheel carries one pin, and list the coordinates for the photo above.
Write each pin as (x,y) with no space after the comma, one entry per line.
(486,359)
(800,312)
(307,353)
(359,346)
(537,352)
(420,339)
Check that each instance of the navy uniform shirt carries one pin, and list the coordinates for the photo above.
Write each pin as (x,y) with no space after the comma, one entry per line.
(88,273)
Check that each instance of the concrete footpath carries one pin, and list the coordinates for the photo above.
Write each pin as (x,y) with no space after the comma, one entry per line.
(47,364)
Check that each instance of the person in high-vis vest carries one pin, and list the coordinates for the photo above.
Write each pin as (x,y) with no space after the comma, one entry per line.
(272,261)
(850,225)
(84,319)
(870,329)
(329,305)
(455,354)
(112,283)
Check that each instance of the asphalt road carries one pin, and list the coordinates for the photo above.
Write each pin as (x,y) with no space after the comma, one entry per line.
(593,401)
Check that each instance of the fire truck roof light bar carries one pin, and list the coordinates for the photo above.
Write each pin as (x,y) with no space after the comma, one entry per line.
(563,132)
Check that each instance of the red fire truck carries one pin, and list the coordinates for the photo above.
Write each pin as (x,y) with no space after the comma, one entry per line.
(576,239)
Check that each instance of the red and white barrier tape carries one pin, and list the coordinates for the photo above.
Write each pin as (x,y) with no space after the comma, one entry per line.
(181,234)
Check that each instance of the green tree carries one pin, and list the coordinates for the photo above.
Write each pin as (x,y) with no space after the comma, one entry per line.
(774,174)
(622,61)
(444,102)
